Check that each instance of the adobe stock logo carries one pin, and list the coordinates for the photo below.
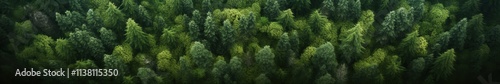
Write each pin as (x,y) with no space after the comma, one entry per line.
(483,81)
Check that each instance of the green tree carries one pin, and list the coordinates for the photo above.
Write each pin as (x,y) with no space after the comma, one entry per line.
(236,68)
(136,37)
(458,34)
(247,25)
(470,7)
(443,66)
(124,52)
(341,74)
(265,60)
(115,62)
(143,17)
(166,62)
(325,79)
(202,58)
(475,35)
(184,6)
(391,69)
(108,38)
(271,9)
(348,10)
(206,6)
(113,17)
(129,7)
(94,20)
(283,51)
(70,20)
(86,45)
(325,56)
(395,24)
(227,36)
(286,19)
(198,18)
(492,36)
(352,46)
(194,31)
(441,43)
(262,79)
(416,69)
(64,50)
(148,76)
(185,69)
(413,47)
(418,9)
(328,8)
(301,7)
(220,69)
(317,21)
(210,30)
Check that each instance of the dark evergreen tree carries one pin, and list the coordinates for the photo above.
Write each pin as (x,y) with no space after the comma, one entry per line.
(286,20)
(475,32)
(284,51)
(271,9)
(458,34)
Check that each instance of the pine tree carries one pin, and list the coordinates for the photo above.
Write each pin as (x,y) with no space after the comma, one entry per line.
(475,35)
(202,58)
(443,66)
(317,21)
(108,38)
(227,36)
(271,9)
(286,19)
(352,46)
(265,60)
(136,37)
(458,34)
(194,31)
(283,51)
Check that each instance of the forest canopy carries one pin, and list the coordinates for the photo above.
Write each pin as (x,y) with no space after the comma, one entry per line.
(253,41)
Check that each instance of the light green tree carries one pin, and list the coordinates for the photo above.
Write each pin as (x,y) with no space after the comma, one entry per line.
(444,65)
(136,37)
(265,60)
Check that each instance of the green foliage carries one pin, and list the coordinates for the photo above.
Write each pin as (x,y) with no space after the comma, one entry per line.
(148,76)
(219,70)
(492,36)
(236,68)
(470,7)
(108,38)
(124,52)
(475,35)
(184,6)
(458,34)
(317,21)
(262,79)
(416,69)
(348,10)
(325,56)
(129,7)
(271,9)
(392,69)
(352,46)
(64,50)
(396,24)
(443,66)
(194,31)
(367,69)
(227,36)
(113,17)
(86,44)
(210,30)
(418,9)
(94,20)
(284,51)
(286,19)
(325,79)
(166,62)
(413,47)
(341,74)
(136,37)
(441,43)
(301,7)
(265,60)
(247,25)
(274,30)
(71,20)
(202,58)
(115,62)
(328,8)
